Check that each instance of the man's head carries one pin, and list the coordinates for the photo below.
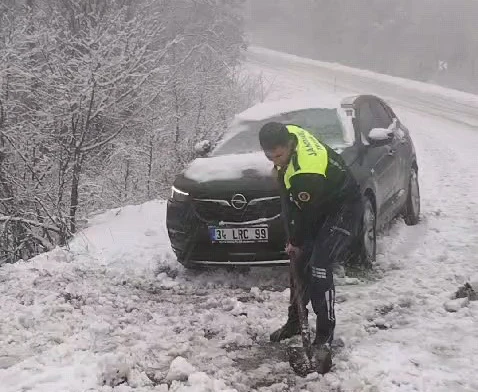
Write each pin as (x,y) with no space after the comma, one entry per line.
(276,142)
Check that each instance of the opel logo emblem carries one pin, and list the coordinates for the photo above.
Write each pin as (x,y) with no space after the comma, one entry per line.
(238,201)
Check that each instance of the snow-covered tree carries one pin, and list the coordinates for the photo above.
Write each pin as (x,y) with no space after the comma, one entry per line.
(101,102)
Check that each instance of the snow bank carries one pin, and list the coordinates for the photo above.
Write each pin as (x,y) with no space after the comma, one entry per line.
(128,244)
(180,370)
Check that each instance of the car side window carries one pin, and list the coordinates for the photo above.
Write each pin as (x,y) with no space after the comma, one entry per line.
(365,120)
(381,115)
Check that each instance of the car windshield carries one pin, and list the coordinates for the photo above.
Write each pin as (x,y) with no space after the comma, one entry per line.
(243,136)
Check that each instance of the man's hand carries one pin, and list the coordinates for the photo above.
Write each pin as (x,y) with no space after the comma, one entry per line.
(293,251)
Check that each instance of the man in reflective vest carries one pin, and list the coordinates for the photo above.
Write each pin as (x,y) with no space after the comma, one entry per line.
(322,203)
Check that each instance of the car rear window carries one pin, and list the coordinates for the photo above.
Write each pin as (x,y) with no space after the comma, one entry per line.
(325,124)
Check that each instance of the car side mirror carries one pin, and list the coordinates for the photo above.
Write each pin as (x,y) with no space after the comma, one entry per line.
(380,137)
(202,148)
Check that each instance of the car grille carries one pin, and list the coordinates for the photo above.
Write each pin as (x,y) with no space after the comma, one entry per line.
(221,210)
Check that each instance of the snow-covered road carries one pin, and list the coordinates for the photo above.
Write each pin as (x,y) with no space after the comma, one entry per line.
(116,305)
(432,99)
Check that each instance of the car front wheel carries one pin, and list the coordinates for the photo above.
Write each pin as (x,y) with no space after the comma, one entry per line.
(411,211)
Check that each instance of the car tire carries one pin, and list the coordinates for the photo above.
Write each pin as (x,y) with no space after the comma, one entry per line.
(411,210)
(369,233)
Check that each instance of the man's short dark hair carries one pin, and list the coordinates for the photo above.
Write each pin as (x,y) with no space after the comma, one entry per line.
(272,135)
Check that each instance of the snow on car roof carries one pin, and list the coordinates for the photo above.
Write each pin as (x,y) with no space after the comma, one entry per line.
(268,109)
(263,111)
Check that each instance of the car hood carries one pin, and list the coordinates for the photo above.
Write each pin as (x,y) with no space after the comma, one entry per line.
(221,176)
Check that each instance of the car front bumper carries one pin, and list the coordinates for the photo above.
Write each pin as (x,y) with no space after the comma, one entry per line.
(190,240)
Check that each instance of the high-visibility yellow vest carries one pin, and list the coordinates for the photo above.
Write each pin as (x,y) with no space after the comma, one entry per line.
(311,155)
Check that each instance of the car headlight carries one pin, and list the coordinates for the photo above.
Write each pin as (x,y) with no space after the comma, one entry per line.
(179,195)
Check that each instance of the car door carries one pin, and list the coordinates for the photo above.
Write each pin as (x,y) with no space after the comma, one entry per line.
(404,152)
(398,147)
(384,119)
(379,161)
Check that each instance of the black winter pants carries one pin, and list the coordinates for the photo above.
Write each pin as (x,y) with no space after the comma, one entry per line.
(333,243)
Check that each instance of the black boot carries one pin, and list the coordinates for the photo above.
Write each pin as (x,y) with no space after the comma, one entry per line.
(322,346)
(324,332)
(290,328)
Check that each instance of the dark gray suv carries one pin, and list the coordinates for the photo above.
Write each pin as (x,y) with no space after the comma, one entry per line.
(225,208)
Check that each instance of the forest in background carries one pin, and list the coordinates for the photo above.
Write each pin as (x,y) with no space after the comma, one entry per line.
(432,41)
(101,102)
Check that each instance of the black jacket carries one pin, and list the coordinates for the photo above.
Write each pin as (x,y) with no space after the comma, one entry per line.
(312,197)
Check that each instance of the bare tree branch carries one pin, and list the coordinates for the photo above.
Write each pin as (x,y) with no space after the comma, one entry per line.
(4,218)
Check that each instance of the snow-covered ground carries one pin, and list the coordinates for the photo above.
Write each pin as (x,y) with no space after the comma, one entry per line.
(117,307)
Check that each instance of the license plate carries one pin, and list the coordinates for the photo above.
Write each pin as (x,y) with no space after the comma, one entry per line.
(239,235)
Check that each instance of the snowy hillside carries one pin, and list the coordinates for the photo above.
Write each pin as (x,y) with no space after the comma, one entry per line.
(116,312)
